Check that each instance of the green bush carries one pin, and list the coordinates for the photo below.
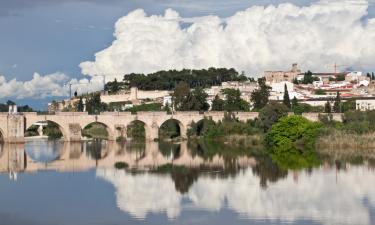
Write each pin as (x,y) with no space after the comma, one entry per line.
(291,142)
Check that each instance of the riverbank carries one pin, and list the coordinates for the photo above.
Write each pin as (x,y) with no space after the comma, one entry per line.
(340,144)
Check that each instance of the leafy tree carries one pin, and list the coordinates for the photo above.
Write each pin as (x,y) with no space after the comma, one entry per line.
(94,104)
(270,114)
(327,107)
(200,97)
(291,142)
(337,103)
(21,108)
(308,78)
(294,102)
(168,80)
(186,100)
(181,95)
(260,96)
(114,86)
(372,76)
(348,106)
(218,104)
(9,102)
(340,77)
(286,99)
(369,76)
(233,101)
(320,92)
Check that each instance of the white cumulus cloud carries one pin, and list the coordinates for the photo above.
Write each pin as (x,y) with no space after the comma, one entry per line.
(256,39)
(50,85)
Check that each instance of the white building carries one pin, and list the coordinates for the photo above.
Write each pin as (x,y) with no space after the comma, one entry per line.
(365,104)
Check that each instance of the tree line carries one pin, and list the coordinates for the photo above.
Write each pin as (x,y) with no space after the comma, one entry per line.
(168,80)
(4,107)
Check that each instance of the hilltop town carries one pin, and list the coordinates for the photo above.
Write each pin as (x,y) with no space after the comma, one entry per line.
(355,89)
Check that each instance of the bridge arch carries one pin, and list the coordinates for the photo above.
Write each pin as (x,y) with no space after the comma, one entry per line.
(138,128)
(110,132)
(172,128)
(63,130)
(2,136)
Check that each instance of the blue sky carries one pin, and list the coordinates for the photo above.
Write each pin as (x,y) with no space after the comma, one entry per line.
(46,36)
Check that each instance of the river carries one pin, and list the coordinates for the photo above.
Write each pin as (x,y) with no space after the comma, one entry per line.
(52,182)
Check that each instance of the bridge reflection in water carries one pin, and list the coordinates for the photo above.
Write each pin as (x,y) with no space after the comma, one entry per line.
(62,156)
(258,192)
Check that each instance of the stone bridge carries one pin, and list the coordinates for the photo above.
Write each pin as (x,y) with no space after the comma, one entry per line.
(12,127)
(71,124)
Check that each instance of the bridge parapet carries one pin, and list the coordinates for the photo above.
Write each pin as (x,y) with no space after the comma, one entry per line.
(30,113)
(116,113)
(158,113)
(71,113)
(214,113)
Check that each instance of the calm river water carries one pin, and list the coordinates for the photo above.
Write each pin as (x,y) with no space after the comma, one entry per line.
(44,183)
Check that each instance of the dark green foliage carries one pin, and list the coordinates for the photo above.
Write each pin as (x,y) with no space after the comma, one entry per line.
(80,105)
(199,98)
(228,126)
(359,122)
(291,142)
(217,104)
(320,92)
(52,130)
(136,131)
(21,108)
(270,114)
(146,108)
(181,96)
(337,103)
(308,78)
(169,129)
(114,86)
(286,99)
(340,77)
(327,107)
(186,100)
(348,106)
(260,96)
(168,80)
(304,108)
(94,104)
(233,101)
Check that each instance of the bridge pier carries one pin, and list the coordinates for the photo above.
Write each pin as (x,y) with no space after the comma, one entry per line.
(13,130)
(152,132)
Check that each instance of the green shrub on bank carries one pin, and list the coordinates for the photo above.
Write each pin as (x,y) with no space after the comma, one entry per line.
(291,142)
(230,125)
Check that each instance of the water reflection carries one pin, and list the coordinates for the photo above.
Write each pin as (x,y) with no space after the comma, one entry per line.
(173,180)
(320,196)
(82,156)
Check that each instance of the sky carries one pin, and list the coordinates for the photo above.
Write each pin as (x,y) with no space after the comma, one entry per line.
(46,44)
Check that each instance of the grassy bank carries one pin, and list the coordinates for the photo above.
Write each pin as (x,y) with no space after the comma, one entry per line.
(344,144)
